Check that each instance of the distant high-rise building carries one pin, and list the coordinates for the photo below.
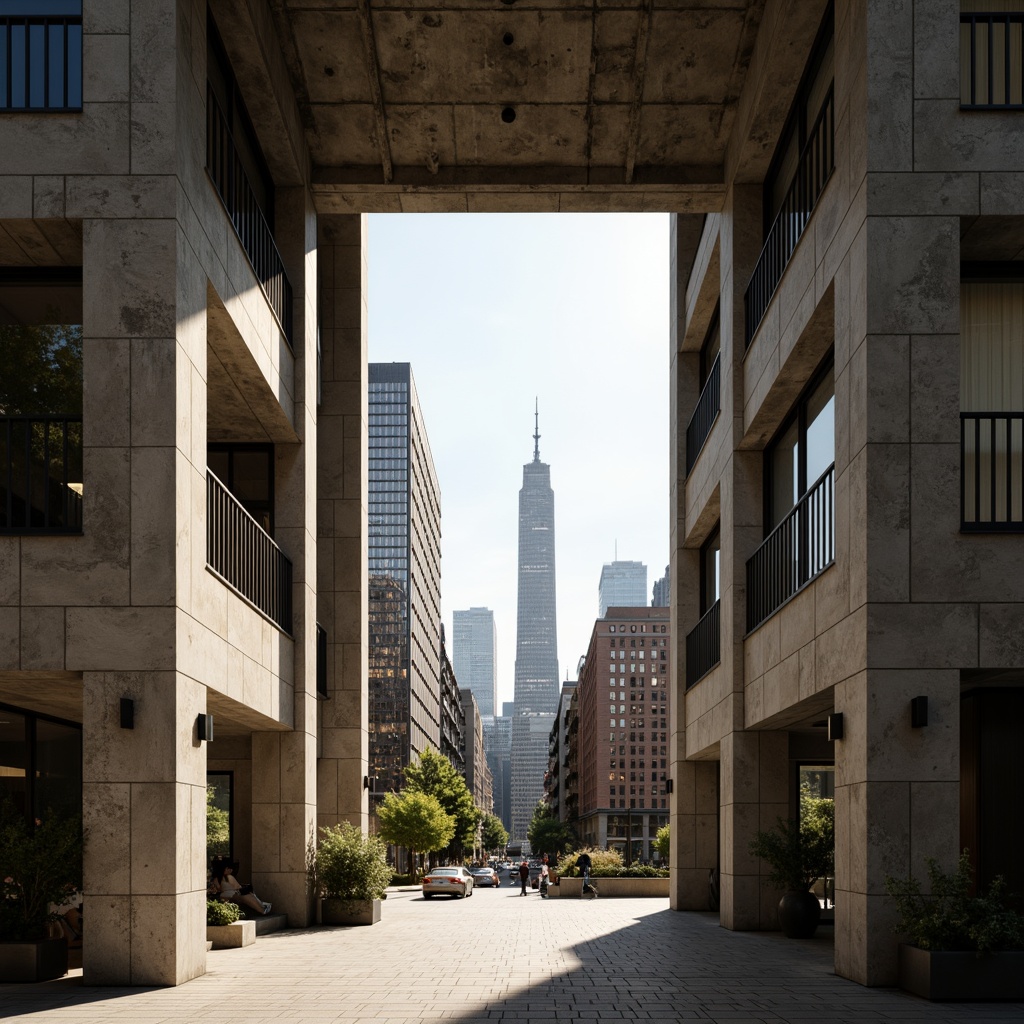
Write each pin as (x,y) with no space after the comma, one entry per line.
(404,606)
(662,595)
(474,642)
(623,585)
(454,727)
(536,671)
(498,747)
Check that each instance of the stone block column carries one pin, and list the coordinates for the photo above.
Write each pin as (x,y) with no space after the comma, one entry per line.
(754,793)
(694,847)
(342,559)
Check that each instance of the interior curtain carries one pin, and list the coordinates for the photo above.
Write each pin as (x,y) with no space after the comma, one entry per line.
(999,54)
(992,388)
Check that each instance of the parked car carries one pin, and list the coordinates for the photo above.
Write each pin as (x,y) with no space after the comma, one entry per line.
(448,882)
(485,877)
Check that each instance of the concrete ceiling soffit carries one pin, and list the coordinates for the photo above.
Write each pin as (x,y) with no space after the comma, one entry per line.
(623,93)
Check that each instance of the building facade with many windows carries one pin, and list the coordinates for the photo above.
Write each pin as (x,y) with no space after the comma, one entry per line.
(474,647)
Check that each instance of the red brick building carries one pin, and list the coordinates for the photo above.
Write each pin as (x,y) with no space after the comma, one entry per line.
(624,710)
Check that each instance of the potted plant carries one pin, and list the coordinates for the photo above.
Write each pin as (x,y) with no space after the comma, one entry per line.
(40,869)
(958,945)
(798,854)
(351,873)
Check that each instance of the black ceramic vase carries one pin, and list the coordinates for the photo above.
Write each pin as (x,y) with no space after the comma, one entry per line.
(799,914)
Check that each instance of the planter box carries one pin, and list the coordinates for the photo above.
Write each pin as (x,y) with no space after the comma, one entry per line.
(231,936)
(349,912)
(631,888)
(945,976)
(33,961)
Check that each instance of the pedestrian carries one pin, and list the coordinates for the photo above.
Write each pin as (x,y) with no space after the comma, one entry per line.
(524,876)
(542,883)
(583,863)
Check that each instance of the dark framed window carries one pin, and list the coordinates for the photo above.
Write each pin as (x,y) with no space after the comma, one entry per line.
(247,471)
(220,815)
(803,449)
(710,563)
(40,763)
(40,55)
(710,349)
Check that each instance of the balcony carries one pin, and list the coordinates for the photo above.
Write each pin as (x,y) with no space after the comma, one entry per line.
(229,179)
(41,59)
(991,70)
(704,416)
(243,555)
(704,645)
(40,474)
(992,472)
(814,167)
(800,548)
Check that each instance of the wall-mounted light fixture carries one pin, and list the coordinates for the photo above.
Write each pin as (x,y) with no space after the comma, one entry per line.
(204,727)
(918,712)
(366,782)
(835,726)
(127,713)
(668,785)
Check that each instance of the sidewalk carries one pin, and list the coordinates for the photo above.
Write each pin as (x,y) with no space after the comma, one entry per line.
(493,958)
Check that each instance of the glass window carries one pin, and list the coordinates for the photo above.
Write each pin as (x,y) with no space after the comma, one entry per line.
(710,561)
(248,473)
(219,814)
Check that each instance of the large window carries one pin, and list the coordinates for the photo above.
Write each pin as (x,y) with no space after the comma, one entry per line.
(992,401)
(41,400)
(40,55)
(248,473)
(991,43)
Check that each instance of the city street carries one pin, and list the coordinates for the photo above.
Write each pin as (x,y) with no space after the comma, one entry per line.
(498,957)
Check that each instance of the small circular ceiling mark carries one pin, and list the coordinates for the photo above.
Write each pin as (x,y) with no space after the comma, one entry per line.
(508,114)
(508,39)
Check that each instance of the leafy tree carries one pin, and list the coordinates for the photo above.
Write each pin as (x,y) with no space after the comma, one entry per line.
(547,834)
(435,775)
(415,820)
(41,370)
(218,826)
(495,837)
(662,841)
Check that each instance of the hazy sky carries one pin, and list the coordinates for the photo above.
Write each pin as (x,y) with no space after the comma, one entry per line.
(492,311)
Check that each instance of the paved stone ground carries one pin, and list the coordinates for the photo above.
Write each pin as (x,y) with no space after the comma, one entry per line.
(494,957)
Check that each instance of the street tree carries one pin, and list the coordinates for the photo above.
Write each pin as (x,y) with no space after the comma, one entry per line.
(416,821)
(435,775)
(547,834)
(662,841)
(495,836)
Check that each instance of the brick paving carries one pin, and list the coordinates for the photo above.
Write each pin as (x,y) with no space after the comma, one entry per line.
(495,958)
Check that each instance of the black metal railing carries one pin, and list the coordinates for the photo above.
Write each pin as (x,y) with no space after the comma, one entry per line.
(991,66)
(992,472)
(704,415)
(40,474)
(801,547)
(41,62)
(245,557)
(814,167)
(236,193)
(704,645)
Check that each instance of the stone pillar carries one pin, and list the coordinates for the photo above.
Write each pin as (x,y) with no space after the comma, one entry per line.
(755,792)
(342,561)
(693,852)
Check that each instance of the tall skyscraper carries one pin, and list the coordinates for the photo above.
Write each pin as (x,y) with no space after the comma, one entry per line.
(405,578)
(661,597)
(623,585)
(536,671)
(474,641)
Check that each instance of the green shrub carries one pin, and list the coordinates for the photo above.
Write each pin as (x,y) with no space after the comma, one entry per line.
(603,863)
(350,865)
(642,871)
(221,913)
(949,918)
(401,880)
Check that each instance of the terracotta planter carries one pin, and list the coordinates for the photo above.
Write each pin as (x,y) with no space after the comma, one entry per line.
(42,960)
(799,914)
(947,975)
(349,912)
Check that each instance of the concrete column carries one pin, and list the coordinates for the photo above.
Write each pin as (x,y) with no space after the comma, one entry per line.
(693,852)
(342,561)
(755,783)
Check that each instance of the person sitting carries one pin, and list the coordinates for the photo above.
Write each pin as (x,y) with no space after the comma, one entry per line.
(226,887)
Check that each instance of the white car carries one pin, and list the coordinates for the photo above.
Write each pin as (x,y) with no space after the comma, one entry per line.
(447,882)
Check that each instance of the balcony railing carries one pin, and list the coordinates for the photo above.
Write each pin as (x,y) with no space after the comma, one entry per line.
(991,68)
(992,472)
(40,474)
(801,547)
(41,61)
(229,179)
(703,418)
(814,167)
(704,645)
(243,555)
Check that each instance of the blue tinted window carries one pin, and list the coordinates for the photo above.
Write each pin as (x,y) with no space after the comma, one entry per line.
(41,8)
(41,55)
